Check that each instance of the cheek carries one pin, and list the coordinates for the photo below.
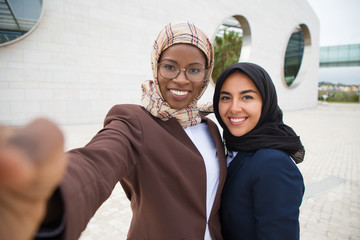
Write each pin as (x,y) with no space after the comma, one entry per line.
(256,111)
(222,110)
(162,85)
(159,79)
(197,88)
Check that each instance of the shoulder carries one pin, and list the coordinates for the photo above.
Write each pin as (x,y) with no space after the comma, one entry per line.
(125,112)
(126,108)
(269,156)
(274,169)
(273,162)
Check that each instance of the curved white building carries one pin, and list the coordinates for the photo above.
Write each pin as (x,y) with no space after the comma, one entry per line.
(83,57)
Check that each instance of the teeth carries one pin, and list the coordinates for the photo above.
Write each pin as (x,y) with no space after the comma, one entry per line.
(236,120)
(180,93)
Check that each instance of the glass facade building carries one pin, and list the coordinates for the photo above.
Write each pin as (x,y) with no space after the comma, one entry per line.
(340,56)
(340,64)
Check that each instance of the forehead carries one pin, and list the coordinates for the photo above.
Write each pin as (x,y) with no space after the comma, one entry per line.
(238,81)
(182,53)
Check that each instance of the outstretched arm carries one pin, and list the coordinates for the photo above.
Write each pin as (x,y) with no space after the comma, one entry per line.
(32,163)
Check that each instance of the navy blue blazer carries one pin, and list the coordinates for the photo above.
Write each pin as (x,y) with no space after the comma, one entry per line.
(261,197)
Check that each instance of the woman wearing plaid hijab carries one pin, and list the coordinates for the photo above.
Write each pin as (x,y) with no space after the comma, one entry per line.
(168,157)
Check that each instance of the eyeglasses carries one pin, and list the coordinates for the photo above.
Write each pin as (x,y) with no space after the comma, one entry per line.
(194,73)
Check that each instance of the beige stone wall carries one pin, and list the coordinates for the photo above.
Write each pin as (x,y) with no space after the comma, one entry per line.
(85,56)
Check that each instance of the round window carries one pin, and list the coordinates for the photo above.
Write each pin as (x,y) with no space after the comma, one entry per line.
(231,43)
(294,56)
(18,18)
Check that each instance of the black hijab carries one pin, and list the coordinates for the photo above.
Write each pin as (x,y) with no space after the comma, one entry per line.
(270,131)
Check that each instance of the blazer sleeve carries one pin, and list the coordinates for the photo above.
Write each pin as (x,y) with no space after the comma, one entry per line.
(277,192)
(95,169)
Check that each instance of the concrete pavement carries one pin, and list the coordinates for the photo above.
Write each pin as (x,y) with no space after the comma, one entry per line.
(331,205)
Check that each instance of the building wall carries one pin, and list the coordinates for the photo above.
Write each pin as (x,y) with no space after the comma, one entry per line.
(85,56)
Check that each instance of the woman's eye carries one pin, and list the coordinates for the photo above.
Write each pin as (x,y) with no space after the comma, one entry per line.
(224,98)
(195,70)
(169,67)
(247,97)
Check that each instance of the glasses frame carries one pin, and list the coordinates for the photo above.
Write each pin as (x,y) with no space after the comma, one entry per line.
(183,69)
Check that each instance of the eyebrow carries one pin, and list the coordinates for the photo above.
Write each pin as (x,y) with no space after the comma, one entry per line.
(242,92)
(170,60)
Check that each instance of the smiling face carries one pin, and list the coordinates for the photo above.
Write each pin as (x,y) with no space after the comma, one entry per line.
(240,104)
(178,92)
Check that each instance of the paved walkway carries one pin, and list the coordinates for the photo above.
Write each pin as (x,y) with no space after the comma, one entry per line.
(331,205)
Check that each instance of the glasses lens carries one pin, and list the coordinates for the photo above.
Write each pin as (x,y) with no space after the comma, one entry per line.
(195,73)
(168,70)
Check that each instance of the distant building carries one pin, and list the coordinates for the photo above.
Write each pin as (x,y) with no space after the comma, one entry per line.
(82,57)
(340,64)
(338,88)
(340,56)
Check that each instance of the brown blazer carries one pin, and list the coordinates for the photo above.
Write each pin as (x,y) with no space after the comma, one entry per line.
(159,168)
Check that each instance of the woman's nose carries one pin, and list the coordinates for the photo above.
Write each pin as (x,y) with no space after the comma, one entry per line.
(236,106)
(181,78)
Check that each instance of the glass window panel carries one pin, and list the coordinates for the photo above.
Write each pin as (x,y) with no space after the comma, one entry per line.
(18,17)
(227,46)
(293,56)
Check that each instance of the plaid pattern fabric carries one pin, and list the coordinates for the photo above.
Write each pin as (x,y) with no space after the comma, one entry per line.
(152,100)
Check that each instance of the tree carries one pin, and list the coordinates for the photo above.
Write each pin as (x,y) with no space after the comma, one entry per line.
(226,52)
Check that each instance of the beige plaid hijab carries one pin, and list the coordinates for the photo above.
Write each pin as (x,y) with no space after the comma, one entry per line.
(152,100)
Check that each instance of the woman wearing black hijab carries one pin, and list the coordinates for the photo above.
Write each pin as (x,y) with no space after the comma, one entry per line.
(264,187)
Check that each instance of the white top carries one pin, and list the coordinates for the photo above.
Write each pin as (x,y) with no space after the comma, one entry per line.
(230,156)
(201,137)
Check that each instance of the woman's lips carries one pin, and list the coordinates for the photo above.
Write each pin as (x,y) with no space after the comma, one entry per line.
(179,93)
(236,120)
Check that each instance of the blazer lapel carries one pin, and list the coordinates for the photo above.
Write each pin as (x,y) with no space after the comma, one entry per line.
(234,166)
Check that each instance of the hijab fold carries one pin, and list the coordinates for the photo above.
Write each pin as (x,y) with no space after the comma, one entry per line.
(270,131)
(152,99)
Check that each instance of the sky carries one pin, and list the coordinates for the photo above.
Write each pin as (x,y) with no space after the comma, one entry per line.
(339,25)
(339,21)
